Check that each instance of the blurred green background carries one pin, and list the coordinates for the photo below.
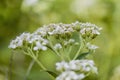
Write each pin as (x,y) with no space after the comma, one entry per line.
(17,16)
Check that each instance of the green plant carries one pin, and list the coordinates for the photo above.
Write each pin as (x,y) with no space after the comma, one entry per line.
(60,39)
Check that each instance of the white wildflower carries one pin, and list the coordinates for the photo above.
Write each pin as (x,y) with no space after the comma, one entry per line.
(41,31)
(55,29)
(75,69)
(95,32)
(88,65)
(58,46)
(39,46)
(18,42)
(41,34)
(77,65)
(45,42)
(34,38)
(87,24)
(60,29)
(91,47)
(89,30)
(62,66)
(82,31)
(70,75)
(25,36)
(71,40)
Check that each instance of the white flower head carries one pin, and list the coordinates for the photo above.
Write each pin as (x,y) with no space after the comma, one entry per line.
(89,30)
(82,31)
(39,46)
(62,66)
(33,38)
(42,31)
(91,47)
(60,29)
(25,36)
(95,32)
(77,65)
(58,46)
(70,75)
(18,42)
(71,40)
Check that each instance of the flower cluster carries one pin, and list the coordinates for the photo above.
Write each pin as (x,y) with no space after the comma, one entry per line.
(89,30)
(18,42)
(62,39)
(27,38)
(91,47)
(70,75)
(40,37)
(76,68)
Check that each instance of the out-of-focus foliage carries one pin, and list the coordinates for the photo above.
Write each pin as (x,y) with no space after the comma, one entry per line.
(116,74)
(17,16)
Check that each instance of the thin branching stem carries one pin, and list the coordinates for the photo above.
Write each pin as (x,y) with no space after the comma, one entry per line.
(10,67)
(29,69)
(78,52)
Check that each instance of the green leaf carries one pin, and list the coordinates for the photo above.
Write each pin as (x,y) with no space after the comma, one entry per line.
(52,73)
(83,55)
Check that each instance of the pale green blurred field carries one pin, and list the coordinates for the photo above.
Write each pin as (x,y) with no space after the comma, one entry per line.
(17,16)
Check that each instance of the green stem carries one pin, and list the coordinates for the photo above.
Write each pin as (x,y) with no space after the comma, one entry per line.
(39,63)
(35,58)
(51,48)
(78,52)
(52,77)
(70,49)
(57,53)
(62,52)
(29,69)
